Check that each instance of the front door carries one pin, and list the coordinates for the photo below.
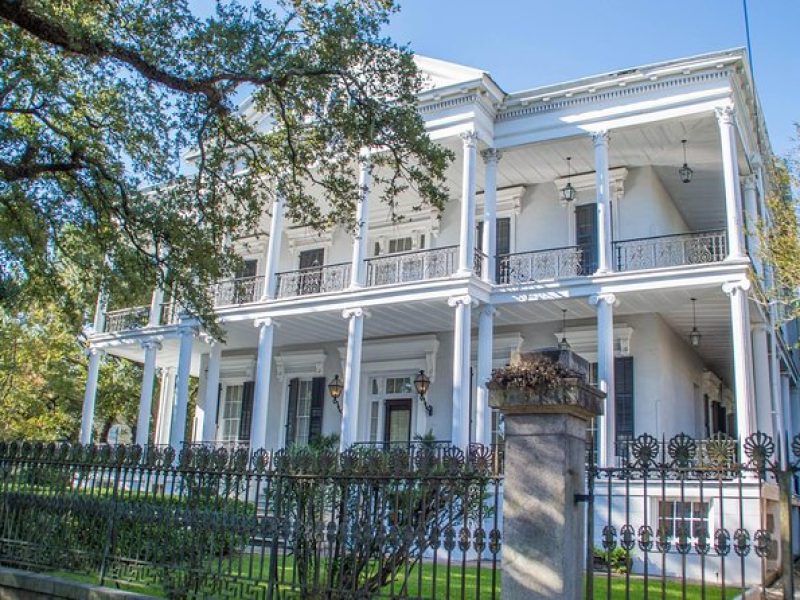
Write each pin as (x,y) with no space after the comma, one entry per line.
(397,427)
(586,236)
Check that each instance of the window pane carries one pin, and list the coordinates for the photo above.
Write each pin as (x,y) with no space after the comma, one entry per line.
(373,422)
(303,415)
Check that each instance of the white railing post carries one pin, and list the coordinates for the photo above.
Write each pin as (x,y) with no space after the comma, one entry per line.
(212,393)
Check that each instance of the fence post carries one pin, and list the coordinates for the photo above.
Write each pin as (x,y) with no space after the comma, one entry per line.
(785,481)
(544,486)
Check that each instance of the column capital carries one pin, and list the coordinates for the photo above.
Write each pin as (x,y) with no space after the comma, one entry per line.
(489,310)
(188,327)
(150,344)
(608,298)
(734,287)
(469,138)
(264,322)
(726,114)
(749,183)
(463,300)
(94,351)
(756,162)
(600,138)
(491,156)
(357,311)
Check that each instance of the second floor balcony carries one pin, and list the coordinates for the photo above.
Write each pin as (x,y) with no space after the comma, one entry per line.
(547,265)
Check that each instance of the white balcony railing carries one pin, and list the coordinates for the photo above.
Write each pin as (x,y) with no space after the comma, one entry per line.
(671,250)
(417,265)
(241,290)
(313,280)
(126,319)
(540,265)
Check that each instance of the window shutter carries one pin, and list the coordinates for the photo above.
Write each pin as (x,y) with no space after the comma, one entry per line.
(503,235)
(317,403)
(291,413)
(219,401)
(248,390)
(623,397)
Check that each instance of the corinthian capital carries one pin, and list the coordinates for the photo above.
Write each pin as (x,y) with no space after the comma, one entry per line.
(491,155)
(600,138)
(469,138)
(354,312)
(464,300)
(725,114)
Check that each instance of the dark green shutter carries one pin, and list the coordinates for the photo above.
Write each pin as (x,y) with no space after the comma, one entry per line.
(291,413)
(623,397)
(247,410)
(317,404)
(586,236)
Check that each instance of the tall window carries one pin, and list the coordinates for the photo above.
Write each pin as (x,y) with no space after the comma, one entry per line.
(403,244)
(502,246)
(231,413)
(586,235)
(304,418)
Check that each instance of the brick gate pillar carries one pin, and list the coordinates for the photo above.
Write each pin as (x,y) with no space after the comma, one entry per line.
(544,531)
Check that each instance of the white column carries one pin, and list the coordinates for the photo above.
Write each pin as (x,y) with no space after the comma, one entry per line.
(358,269)
(763,396)
(742,363)
(786,399)
(166,399)
(212,393)
(270,289)
(186,331)
(90,395)
(100,306)
(751,210)
(352,377)
(462,339)
(730,172)
(604,262)
(155,307)
(606,425)
(151,347)
(489,242)
(258,425)
(780,408)
(466,247)
(483,413)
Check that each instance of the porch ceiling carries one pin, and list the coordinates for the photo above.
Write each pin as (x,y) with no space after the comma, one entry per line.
(673,306)
(701,202)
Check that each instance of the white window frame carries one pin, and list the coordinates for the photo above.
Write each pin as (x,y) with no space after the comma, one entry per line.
(709,519)
(223,402)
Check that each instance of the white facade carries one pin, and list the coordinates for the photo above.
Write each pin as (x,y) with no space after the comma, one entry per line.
(624,260)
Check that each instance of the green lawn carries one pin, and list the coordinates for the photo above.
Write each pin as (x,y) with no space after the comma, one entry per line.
(421,583)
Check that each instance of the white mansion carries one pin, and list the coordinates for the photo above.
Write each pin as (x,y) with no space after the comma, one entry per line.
(571,220)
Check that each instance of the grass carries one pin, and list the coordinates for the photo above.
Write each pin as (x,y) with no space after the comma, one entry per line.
(423,584)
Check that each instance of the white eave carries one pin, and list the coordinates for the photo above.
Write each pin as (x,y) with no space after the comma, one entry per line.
(623,77)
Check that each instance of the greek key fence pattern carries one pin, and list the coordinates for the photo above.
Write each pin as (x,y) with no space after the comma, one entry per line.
(295,523)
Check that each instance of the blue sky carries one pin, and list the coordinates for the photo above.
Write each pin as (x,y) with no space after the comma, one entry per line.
(526,43)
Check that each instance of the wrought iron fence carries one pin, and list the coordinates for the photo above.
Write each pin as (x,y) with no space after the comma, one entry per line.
(690,518)
(540,265)
(290,524)
(313,280)
(671,250)
(125,319)
(240,290)
(417,265)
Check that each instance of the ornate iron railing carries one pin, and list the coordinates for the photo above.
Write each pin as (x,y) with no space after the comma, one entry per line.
(679,512)
(126,319)
(671,250)
(240,290)
(290,524)
(718,450)
(540,265)
(313,280)
(417,265)
(480,261)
